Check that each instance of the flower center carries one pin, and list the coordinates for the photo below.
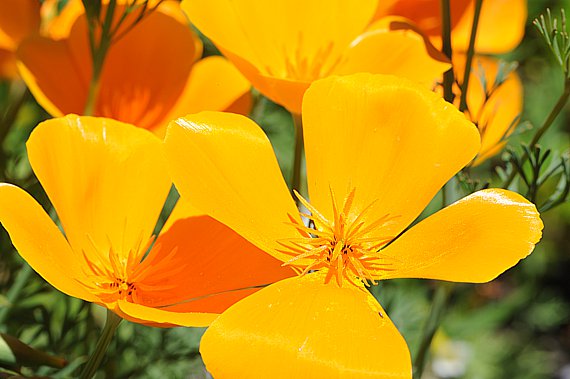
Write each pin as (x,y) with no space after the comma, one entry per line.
(347,246)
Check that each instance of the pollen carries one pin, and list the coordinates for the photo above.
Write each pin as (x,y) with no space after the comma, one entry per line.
(347,246)
(117,275)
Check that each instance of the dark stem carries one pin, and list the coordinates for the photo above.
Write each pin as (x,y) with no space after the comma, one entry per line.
(470,54)
(298,155)
(448,76)
(440,301)
(111,324)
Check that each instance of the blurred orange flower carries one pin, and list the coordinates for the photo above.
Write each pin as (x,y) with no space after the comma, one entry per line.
(501,28)
(373,166)
(151,75)
(107,182)
(18,19)
(281,46)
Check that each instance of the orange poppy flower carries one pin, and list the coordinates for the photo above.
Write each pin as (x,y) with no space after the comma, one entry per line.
(500,29)
(372,168)
(151,75)
(107,182)
(282,46)
(18,19)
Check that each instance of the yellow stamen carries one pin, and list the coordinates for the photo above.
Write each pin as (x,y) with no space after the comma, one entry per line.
(343,246)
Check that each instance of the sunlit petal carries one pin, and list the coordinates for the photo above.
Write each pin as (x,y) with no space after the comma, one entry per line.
(160,317)
(39,241)
(106,180)
(472,240)
(301,327)
(361,135)
(237,180)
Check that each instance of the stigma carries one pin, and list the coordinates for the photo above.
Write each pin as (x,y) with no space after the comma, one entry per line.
(347,246)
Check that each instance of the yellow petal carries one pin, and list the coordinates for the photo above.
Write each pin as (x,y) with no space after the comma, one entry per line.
(361,134)
(295,40)
(106,180)
(303,328)
(224,164)
(214,84)
(501,27)
(162,318)
(472,240)
(18,19)
(39,241)
(395,47)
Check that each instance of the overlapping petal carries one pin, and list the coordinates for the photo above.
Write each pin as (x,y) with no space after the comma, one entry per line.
(282,46)
(411,55)
(238,181)
(107,180)
(39,241)
(18,19)
(328,331)
(472,240)
(360,133)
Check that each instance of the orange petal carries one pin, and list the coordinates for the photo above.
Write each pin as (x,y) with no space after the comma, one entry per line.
(18,19)
(8,68)
(501,27)
(301,327)
(39,241)
(497,116)
(211,267)
(162,318)
(426,14)
(56,72)
(394,47)
(146,71)
(283,39)
(472,240)
(214,84)
(360,134)
(224,164)
(106,180)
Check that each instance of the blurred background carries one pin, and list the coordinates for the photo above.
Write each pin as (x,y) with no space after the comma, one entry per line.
(517,326)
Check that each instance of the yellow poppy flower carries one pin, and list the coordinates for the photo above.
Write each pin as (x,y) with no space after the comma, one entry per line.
(281,46)
(107,182)
(501,28)
(151,74)
(373,165)
(18,19)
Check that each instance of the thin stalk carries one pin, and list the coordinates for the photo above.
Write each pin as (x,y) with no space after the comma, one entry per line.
(111,324)
(448,76)
(438,307)
(298,155)
(562,100)
(470,54)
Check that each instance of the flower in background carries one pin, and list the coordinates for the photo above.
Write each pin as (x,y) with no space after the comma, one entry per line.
(151,74)
(18,19)
(282,46)
(373,166)
(494,109)
(107,182)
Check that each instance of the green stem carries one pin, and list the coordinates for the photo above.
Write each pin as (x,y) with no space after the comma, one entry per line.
(111,324)
(440,301)
(14,293)
(470,54)
(298,155)
(448,76)
(562,100)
